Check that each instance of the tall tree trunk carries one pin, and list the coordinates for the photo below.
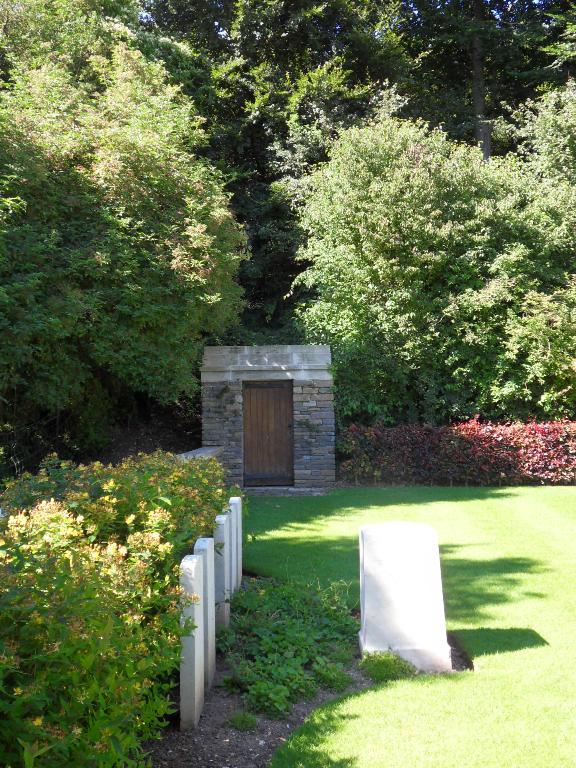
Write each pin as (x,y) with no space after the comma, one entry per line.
(483,129)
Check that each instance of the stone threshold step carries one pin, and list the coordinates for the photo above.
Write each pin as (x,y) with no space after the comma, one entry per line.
(280,490)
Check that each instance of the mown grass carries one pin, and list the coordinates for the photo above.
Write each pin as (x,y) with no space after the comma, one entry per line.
(509,569)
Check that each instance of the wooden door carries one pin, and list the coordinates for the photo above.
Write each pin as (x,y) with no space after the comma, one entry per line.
(268,433)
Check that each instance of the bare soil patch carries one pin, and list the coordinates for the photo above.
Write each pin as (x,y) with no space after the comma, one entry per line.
(216,744)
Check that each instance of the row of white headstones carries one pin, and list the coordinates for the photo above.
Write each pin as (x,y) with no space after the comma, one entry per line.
(208,579)
(401,601)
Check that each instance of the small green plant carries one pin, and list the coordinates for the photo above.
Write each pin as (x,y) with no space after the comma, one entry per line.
(386,667)
(285,640)
(244,721)
(274,699)
(331,675)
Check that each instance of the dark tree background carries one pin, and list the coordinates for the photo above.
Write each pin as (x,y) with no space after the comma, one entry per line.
(461,64)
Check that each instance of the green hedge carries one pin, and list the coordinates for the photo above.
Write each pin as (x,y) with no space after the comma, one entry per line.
(89,598)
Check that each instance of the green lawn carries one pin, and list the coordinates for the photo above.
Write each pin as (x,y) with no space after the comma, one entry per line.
(509,569)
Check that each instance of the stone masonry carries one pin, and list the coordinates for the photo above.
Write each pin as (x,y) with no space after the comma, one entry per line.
(224,371)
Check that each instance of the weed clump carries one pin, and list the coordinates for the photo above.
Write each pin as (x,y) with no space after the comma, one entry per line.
(386,667)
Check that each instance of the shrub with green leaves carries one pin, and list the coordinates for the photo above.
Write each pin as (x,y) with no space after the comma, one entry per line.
(118,250)
(156,493)
(548,129)
(284,640)
(446,281)
(90,604)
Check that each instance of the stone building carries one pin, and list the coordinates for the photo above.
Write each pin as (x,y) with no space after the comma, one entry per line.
(270,411)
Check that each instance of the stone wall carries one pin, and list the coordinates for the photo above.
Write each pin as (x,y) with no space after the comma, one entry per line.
(222,425)
(314,433)
(225,370)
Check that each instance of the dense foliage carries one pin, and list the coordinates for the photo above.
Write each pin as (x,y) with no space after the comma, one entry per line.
(89,596)
(444,284)
(147,146)
(288,76)
(474,59)
(548,128)
(471,453)
(118,251)
(284,641)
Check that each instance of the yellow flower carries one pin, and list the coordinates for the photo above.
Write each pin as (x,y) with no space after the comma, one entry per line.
(38,720)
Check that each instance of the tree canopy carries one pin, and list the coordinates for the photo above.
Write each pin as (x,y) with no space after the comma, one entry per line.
(118,249)
(169,168)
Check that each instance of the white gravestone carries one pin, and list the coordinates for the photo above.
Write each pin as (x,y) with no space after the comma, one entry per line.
(192,660)
(205,548)
(222,569)
(236,508)
(233,551)
(401,603)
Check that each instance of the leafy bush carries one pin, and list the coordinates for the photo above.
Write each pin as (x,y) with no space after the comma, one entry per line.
(548,127)
(118,250)
(444,284)
(89,596)
(285,639)
(155,494)
(331,675)
(472,453)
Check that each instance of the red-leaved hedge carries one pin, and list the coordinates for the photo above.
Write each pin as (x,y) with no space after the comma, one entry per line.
(471,453)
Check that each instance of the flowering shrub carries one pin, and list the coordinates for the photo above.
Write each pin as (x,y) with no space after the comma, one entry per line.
(154,493)
(471,453)
(89,598)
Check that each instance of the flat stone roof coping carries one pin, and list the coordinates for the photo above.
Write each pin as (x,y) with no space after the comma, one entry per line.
(267,357)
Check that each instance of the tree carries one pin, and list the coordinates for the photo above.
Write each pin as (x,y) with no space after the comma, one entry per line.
(563,48)
(118,251)
(475,58)
(439,279)
(204,23)
(268,66)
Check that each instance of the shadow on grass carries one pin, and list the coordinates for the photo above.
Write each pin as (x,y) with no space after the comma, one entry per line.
(305,748)
(472,587)
(279,512)
(486,641)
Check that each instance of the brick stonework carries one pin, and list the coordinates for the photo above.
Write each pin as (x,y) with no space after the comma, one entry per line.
(222,425)
(314,434)
(314,426)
